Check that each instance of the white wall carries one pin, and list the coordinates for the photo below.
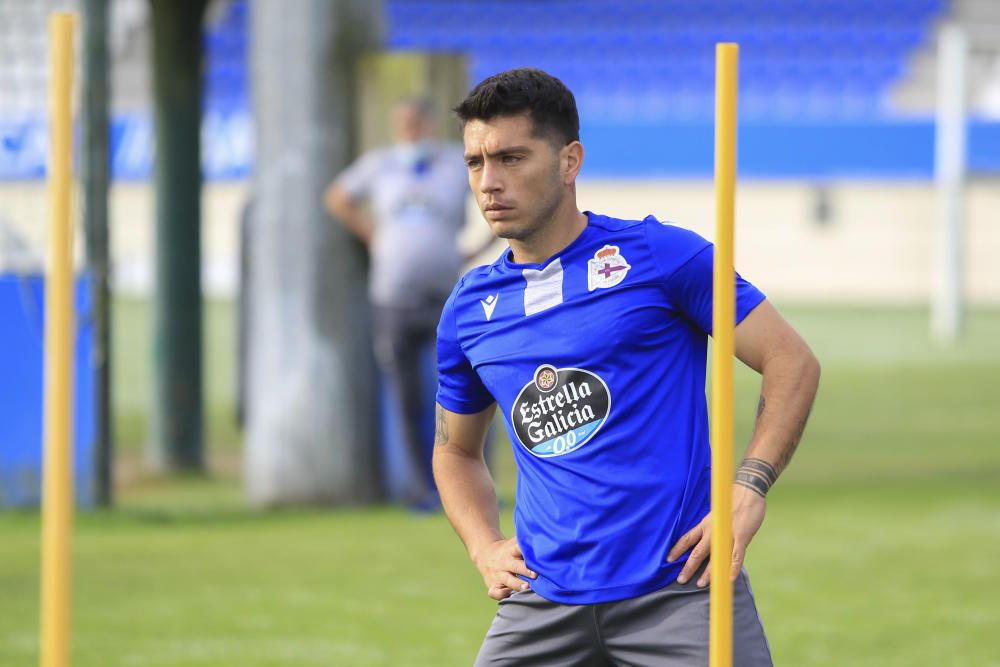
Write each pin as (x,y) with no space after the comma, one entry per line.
(876,246)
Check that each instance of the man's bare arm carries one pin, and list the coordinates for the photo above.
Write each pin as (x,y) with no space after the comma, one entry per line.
(790,372)
(470,500)
(790,377)
(340,205)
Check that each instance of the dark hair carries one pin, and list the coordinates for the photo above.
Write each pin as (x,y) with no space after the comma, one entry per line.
(547,101)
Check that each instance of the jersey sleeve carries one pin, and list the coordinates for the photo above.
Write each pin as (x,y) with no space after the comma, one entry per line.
(687,263)
(459,387)
(356,180)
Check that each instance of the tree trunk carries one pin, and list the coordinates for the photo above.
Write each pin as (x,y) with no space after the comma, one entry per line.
(95,165)
(311,424)
(177,62)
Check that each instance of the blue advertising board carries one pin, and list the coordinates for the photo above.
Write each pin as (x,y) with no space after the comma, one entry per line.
(22,343)
(807,149)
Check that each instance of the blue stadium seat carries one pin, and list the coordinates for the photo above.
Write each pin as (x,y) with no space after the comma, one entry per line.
(651,58)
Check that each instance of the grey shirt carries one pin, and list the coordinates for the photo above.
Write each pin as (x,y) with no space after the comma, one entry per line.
(417,197)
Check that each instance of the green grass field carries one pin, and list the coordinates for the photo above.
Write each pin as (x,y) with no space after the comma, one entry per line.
(881,546)
(131,336)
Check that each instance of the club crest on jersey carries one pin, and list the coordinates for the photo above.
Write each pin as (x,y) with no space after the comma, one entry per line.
(607,268)
(560,410)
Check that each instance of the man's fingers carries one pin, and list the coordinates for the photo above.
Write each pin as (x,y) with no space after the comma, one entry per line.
(505,585)
(683,544)
(697,557)
(739,554)
(517,564)
(513,583)
(499,592)
(519,567)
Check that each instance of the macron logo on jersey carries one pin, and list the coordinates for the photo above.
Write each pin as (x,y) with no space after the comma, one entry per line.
(489,304)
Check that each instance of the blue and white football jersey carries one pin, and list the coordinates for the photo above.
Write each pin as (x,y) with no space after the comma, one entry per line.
(596,359)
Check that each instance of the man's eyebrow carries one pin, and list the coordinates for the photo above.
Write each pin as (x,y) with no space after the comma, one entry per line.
(500,153)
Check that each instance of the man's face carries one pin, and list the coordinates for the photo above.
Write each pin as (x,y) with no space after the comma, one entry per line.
(515,176)
(410,124)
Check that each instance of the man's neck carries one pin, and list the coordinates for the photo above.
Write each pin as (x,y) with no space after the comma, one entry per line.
(562,230)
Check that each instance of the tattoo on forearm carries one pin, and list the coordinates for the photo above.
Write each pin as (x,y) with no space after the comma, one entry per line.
(441,427)
(757,475)
(752,482)
(760,410)
(761,468)
(786,456)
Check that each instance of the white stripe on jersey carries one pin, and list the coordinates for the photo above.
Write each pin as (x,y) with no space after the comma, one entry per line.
(544,288)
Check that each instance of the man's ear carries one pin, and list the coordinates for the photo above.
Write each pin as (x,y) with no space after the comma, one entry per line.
(570,161)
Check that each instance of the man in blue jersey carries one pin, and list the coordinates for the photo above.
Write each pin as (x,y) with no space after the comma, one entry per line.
(590,334)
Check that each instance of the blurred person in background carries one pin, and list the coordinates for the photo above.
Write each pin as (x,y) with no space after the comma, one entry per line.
(406,203)
(591,333)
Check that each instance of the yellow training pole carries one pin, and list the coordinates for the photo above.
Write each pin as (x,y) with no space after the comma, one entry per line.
(723,323)
(57,498)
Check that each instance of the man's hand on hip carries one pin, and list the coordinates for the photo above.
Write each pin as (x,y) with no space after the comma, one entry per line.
(499,562)
(748,515)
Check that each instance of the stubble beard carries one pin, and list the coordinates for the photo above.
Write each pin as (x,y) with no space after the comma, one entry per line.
(537,224)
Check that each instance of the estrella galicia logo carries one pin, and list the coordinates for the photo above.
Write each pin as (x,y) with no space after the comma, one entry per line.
(560,410)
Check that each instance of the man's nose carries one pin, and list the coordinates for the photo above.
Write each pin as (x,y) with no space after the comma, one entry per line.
(490,180)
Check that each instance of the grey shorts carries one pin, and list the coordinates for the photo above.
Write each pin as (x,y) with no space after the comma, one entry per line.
(665,628)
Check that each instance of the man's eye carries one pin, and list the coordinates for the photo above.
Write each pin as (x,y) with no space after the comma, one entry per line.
(511,159)
(473,164)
